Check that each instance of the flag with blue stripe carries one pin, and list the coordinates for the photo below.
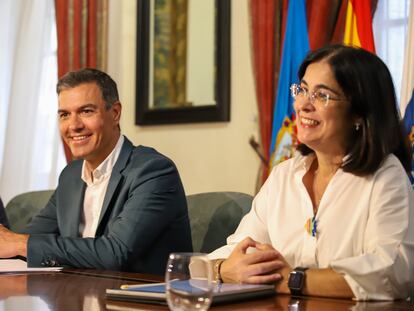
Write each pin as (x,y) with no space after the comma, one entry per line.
(295,48)
(409,128)
(407,88)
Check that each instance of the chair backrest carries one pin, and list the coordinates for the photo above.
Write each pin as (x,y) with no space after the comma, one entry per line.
(3,216)
(21,209)
(214,216)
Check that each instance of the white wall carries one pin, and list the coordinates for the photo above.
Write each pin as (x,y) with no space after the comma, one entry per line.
(210,157)
(200,52)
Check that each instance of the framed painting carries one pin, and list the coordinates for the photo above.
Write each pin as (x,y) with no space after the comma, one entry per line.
(183,61)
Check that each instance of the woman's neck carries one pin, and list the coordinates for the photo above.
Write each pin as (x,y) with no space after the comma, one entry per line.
(327,165)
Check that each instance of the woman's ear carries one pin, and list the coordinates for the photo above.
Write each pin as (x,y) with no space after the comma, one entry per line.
(357,123)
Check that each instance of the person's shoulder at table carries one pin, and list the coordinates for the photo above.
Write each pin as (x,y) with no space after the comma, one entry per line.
(143,155)
(132,159)
(391,168)
(391,164)
(296,162)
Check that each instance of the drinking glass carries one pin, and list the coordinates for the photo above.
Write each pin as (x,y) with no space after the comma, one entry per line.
(189,281)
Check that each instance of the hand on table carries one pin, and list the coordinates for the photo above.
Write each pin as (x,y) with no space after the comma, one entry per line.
(264,265)
(12,285)
(12,244)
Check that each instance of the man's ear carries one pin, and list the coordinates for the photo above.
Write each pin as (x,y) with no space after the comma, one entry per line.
(116,110)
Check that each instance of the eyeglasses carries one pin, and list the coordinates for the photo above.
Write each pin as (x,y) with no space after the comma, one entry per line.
(317,98)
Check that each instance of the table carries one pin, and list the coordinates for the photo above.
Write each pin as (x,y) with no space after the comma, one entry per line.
(76,289)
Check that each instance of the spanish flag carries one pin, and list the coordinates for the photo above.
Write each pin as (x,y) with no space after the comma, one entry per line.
(358,25)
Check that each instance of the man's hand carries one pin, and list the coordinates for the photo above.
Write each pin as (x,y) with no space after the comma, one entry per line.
(12,244)
(13,285)
(261,266)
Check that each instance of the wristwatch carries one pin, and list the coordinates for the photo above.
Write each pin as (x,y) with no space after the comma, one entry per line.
(297,280)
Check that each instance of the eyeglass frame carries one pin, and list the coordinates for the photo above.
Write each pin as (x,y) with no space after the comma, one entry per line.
(312,96)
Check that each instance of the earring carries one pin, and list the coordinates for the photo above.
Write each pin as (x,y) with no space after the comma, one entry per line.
(357,126)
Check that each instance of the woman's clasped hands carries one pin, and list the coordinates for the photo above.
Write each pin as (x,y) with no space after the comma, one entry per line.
(255,263)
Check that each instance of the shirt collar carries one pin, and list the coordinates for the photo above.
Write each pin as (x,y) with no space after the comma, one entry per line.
(105,167)
(304,162)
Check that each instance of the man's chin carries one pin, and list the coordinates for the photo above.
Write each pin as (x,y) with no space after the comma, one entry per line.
(76,154)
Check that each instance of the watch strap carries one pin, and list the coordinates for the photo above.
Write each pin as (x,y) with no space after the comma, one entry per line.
(303,269)
(297,291)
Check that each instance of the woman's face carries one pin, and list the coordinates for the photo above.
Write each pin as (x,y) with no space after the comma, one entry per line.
(322,125)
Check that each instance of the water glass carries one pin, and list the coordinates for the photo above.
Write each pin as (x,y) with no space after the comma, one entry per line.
(189,281)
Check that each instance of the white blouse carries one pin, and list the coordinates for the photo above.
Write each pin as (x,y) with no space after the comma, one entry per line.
(365,226)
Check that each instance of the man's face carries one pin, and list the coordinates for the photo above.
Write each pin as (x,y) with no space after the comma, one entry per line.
(87,127)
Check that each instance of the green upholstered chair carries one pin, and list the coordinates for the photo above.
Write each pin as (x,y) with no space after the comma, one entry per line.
(214,216)
(3,217)
(23,207)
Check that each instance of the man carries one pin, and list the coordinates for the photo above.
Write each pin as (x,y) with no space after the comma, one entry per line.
(118,207)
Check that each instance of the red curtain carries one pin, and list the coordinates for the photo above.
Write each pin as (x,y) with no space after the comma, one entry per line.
(82,32)
(267,23)
(326,21)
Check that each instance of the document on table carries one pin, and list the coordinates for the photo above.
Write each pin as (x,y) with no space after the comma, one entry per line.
(222,292)
(20,266)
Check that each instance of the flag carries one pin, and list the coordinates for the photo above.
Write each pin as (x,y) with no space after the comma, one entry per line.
(407,88)
(409,118)
(358,25)
(295,48)
(407,85)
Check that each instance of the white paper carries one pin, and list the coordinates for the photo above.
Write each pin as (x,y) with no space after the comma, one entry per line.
(18,266)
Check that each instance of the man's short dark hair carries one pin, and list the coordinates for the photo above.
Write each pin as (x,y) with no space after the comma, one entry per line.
(105,83)
(367,83)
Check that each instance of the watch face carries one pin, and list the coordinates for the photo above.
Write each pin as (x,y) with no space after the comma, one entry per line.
(296,280)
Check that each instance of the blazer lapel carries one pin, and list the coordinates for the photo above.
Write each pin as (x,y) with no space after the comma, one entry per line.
(71,197)
(116,177)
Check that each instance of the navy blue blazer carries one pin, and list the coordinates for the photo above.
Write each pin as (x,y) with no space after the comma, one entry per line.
(143,219)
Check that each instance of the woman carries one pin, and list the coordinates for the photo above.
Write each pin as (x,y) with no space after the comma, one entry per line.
(341,211)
